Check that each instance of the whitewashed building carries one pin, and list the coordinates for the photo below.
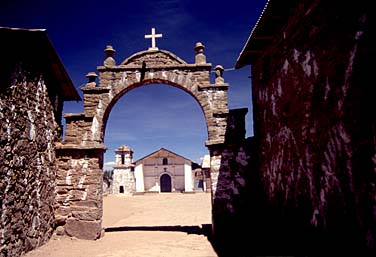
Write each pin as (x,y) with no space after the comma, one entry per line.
(160,171)
(164,171)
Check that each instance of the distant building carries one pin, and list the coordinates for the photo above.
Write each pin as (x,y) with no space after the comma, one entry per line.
(123,176)
(164,171)
(160,171)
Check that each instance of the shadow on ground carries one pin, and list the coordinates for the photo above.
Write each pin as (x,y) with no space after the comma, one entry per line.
(204,229)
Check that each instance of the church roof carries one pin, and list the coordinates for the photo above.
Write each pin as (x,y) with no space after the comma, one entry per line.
(162,149)
(35,48)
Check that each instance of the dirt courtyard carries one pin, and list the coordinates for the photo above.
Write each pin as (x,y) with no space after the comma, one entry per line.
(152,225)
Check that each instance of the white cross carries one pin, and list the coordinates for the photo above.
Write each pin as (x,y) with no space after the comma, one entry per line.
(153,36)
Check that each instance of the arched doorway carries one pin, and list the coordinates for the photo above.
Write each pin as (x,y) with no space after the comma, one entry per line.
(165,181)
(80,156)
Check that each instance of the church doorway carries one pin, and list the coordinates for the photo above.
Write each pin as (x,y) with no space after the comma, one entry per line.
(165,183)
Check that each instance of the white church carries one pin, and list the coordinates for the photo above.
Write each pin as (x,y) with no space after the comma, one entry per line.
(160,171)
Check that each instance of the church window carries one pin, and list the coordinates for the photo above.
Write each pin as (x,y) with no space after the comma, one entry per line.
(121,189)
(122,159)
(165,161)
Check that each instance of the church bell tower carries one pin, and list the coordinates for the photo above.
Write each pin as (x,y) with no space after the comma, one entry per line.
(123,179)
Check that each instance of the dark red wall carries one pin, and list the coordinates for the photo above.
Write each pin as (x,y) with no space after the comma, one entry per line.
(314,117)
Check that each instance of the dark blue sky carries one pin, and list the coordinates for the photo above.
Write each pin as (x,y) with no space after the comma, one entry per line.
(155,116)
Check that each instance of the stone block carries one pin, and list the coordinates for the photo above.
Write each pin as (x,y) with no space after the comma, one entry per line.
(61,198)
(89,230)
(89,214)
(60,220)
(75,195)
(87,203)
(63,210)
(60,231)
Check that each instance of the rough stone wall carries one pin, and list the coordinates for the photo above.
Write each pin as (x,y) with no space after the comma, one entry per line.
(314,122)
(233,174)
(28,133)
(79,192)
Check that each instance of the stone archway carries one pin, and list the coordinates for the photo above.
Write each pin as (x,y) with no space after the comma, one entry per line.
(80,156)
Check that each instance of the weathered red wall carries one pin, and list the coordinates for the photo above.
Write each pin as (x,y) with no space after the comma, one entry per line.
(314,118)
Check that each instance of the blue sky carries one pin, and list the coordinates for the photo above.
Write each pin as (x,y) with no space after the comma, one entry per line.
(153,116)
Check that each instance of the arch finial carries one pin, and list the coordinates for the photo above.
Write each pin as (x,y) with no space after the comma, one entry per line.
(109,61)
(200,58)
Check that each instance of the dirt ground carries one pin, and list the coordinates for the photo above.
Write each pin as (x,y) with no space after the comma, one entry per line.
(152,225)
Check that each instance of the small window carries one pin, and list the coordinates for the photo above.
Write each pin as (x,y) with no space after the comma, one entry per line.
(121,189)
(165,161)
(122,159)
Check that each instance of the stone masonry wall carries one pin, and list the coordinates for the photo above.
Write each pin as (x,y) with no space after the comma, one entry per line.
(314,111)
(79,192)
(233,174)
(28,133)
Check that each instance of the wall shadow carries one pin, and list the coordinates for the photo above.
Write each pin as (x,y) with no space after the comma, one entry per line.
(237,192)
(204,229)
(246,222)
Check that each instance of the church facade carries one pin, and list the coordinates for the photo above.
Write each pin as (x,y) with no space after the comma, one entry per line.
(160,171)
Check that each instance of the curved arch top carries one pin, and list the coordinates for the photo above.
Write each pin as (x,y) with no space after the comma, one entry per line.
(159,57)
(147,67)
(126,88)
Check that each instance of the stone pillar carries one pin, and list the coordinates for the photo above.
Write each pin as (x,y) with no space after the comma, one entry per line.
(90,122)
(124,181)
(79,183)
(229,168)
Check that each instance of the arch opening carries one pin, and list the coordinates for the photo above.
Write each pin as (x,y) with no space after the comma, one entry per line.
(150,117)
(143,84)
(154,117)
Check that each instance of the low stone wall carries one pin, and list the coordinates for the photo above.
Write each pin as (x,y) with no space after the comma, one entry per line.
(28,132)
